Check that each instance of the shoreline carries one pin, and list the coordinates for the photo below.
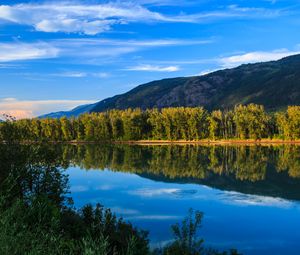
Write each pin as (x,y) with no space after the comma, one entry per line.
(175,142)
(210,142)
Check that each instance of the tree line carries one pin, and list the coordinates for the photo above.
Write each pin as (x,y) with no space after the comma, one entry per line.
(180,123)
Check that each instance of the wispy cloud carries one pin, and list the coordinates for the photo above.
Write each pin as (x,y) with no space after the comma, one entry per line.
(152,68)
(256,56)
(72,74)
(147,192)
(76,74)
(79,18)
(9,66)
(26,51)
(32,108)
(233,197)
(173,192)
(95,48)
(229,12)
(93,19)
(167,2)
(101,75)
(83,48)
(79,42)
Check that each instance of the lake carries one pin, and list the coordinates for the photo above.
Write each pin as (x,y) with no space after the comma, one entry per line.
(249,194)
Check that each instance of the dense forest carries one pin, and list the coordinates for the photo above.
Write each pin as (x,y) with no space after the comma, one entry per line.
(243,122)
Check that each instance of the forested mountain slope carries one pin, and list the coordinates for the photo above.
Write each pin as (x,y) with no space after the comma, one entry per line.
(274,84)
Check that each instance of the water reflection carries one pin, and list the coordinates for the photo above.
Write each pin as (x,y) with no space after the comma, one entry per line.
(261,170)
(249,195)
(38,218)
(242,190)
(270,171)
(33,171)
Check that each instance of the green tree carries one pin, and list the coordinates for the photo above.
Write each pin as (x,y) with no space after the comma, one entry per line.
(66,128)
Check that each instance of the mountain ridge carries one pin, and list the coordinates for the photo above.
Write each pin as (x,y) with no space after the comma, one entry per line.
(274,84)
(78,110)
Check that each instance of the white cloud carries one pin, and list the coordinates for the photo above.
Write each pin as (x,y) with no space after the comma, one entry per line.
(72,74)
(92,19)
(227,12)
(126,43)
(82,48)
(233,197)
(168,2)
(73,25)
(105,47)
(78,74)
(26,51)
(101,75)
(79,18)
(153,68)
(256,56)
(9,66)
(32,108)
(154,192)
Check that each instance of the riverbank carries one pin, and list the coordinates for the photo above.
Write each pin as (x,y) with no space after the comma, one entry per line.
(210,142)
(172,142)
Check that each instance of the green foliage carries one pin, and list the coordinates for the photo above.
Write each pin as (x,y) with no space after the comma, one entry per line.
(289,123)
(187,240)
(186,236)
(181,123)
(36,217)
(251,121)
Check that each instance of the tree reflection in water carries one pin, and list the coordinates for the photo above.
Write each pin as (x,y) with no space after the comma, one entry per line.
(37,215)
(261,170)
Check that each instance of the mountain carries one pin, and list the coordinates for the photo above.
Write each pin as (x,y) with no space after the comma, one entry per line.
(274,84)
(73,113)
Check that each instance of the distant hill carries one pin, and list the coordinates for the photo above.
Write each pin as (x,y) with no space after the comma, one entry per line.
(274,84)
(73,113)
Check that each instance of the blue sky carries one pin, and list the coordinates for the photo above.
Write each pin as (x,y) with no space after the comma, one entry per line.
(55,55)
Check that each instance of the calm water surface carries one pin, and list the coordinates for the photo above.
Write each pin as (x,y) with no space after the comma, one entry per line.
(249,195)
